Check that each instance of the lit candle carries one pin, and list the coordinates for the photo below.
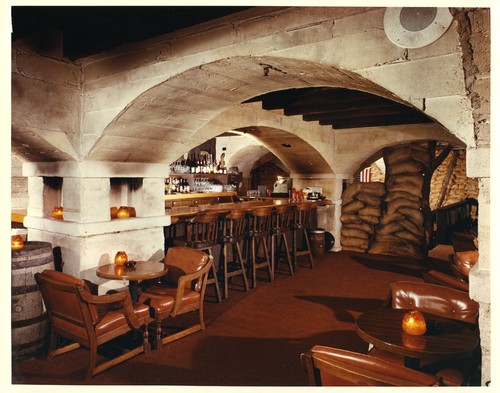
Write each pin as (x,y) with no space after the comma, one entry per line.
(17,242)
(123,212)
(57,213)
(121,258)
(414,323)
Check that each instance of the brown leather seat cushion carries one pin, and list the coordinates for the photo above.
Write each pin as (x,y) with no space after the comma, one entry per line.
(111,320)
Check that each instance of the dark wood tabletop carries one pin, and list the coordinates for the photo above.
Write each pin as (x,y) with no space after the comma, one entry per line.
(444,338)
(141,270)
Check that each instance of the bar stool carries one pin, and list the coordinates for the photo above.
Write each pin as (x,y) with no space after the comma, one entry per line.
(202,233)
(232,235)
(300,224)
(170,233)
(259,228)
(280,228)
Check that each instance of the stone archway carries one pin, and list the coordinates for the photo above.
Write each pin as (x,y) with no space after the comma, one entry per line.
(185,110)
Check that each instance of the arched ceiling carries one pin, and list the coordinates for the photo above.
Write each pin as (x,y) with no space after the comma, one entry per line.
(169,119)
(172,117)
(294,152)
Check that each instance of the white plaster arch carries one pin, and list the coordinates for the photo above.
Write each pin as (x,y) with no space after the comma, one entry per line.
(201,103)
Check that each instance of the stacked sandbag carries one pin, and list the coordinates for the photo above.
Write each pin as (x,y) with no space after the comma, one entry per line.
(361,212)
(460,187)
(377,175)
(401,229)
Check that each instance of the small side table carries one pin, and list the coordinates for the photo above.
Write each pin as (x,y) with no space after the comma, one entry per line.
(142,270)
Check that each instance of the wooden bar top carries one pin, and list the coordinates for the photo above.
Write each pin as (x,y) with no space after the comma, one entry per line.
(190,211)
(17,216)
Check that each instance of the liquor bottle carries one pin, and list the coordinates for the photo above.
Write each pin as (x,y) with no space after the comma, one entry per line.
(192,168)
(197,170)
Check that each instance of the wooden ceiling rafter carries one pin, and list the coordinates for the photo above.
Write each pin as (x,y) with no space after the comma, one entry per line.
(341,108)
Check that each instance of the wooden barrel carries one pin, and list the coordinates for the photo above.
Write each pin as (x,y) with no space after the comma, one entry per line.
(30,324)
(317,241)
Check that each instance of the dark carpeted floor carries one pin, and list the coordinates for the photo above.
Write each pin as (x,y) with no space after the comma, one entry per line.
(254,338)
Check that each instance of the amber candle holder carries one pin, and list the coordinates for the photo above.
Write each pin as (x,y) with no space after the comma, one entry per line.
(57,213)
(121,258)
(414,323)
(123,212)
(17,242)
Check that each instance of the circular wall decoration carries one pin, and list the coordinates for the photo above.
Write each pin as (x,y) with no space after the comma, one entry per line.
(416,27)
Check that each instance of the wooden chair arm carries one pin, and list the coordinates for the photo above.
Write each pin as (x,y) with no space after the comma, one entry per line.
(103,299)
(183,280)
(122,296)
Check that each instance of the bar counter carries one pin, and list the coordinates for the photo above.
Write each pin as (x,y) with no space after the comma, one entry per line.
(181,213)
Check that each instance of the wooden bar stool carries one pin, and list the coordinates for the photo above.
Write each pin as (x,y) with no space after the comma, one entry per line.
(170,233)
(202,233)
(233,229)
(300,224)
(281,226)
(259,228)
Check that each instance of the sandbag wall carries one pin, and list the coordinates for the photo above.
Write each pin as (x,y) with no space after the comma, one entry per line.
(401,229)
(460,187)
(361,212)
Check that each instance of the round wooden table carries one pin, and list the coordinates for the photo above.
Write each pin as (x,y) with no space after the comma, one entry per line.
(142,270)
(445,338)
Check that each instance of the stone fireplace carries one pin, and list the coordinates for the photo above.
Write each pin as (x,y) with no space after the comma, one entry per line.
(87,235)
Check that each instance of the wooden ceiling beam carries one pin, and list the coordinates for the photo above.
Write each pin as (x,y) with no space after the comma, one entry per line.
(355,113)
(317,105)
(377,122)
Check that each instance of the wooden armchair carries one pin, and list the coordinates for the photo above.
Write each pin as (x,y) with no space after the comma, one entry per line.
(89,320)
(326,366)
(180,291)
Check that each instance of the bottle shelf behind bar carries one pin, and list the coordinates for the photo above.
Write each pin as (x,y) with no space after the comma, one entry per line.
(185,183)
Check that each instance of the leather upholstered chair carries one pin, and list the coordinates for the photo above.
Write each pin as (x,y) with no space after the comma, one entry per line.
(434,299)
(89,320)
(328,366)
(180,291)
(440,278)
(442,301)
(461,263)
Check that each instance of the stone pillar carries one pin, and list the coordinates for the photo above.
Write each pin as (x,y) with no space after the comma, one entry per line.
(337,203)
(479,279)
(86,200)
(35,196)
(328,216)
(87,236)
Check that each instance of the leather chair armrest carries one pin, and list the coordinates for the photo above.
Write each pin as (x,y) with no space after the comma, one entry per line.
(110,299)
(185,279)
